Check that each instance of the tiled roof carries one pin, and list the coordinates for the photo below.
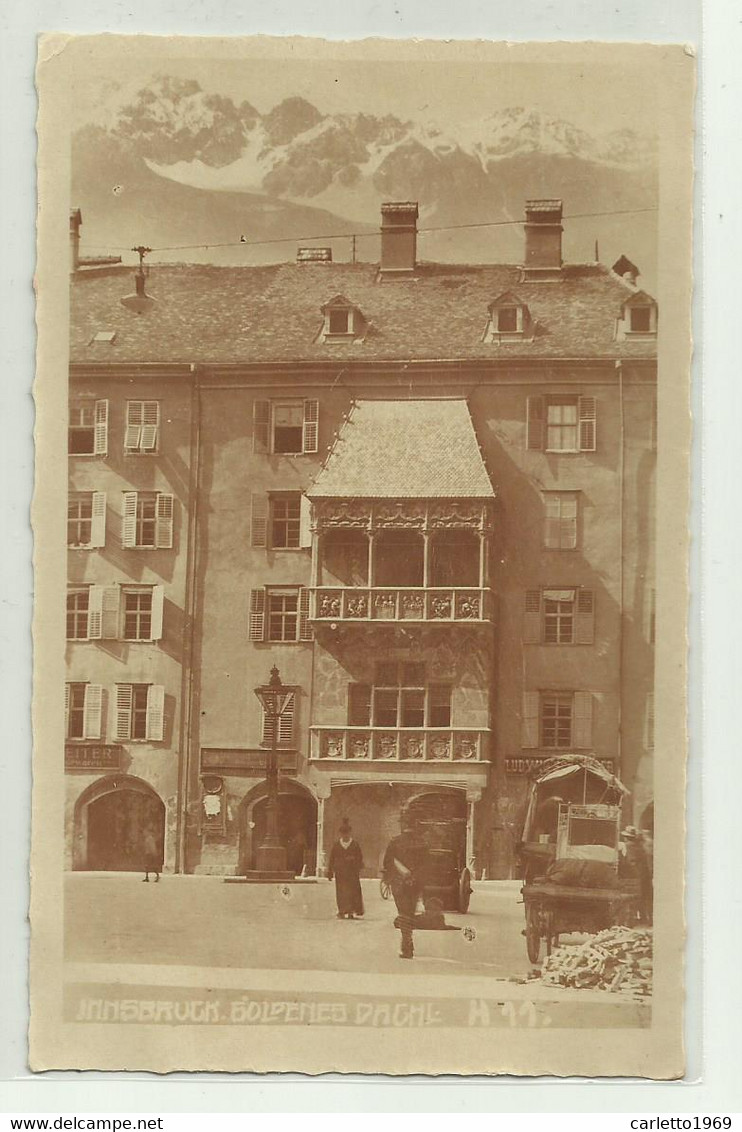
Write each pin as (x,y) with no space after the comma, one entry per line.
(405,449)
(273,313)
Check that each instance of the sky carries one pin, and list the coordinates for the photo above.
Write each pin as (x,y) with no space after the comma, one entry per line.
(595,98)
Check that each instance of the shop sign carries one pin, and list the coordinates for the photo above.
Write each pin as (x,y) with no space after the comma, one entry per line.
(224,760)
(98,756)
(528,765)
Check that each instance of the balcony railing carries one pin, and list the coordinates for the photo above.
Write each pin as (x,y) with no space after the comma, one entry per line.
(400,744)
(401,603)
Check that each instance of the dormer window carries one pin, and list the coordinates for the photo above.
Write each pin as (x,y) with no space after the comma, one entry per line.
(342,321)
(509,318)
(638,317)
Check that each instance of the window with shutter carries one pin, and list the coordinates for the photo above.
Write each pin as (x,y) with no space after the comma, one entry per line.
(129,520)
(588,424)
(558,617)
(285,735)
(583,720)
(100,444)
(585,618)
(257,615)
(93,711)
(142,426)
(133,710)
(305,628)
(530,720)
(305,522)
(532,618)
(74,710)
(81,428)
(261,423)
(124,699)
(311,426)
(259,519)
(164,521)
(158,607)
(98,519)
(535,423)
(155,712)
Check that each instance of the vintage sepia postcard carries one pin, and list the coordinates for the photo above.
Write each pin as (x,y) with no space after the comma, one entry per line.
(362,432)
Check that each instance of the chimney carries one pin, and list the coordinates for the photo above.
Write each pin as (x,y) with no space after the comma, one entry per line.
(398,237)
(314,255)
(75,226)
(543,240)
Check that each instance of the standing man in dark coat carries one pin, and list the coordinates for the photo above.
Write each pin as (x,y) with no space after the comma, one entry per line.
(404,869)
(345,864)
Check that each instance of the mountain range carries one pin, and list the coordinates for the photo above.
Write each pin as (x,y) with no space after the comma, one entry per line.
(177,167)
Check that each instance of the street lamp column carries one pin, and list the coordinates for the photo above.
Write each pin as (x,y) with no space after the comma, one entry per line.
(271,854)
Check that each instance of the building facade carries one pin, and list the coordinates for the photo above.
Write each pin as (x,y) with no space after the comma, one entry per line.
(425,492)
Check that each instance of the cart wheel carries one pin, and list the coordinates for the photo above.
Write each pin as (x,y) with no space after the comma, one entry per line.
(533,932)
(384,889)
(465,890)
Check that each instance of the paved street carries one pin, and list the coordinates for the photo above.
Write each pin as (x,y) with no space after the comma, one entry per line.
(201,921)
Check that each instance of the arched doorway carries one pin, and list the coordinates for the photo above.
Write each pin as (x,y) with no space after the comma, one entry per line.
(118,822)
(297,827)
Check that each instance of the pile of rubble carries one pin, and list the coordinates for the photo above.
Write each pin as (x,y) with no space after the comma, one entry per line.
(617,959)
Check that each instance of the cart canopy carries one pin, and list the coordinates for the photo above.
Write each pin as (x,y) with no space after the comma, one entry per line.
(577,778)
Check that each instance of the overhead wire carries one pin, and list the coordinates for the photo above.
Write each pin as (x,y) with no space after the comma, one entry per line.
(375,234)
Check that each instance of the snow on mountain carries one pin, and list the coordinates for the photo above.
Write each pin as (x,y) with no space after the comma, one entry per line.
(297,153)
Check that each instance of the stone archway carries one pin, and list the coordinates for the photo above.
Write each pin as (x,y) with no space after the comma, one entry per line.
(297,821)
(119,826)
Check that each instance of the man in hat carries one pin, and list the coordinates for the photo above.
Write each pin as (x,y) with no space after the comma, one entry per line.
(404,868)
(345,864)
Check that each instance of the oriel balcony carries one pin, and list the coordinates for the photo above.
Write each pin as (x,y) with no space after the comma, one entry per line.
(400,744)
(413,573)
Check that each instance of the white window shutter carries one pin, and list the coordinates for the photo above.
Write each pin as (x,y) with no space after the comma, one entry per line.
(149,438)
(95,612)
(305,522)
(129,519)
(266,731)
(257,615)
(132,437)
(100,431)
(530,720)
(124,698)
(286,722)
(261,424)
(110,612)
(155,712)
(305,629)
(259,519)
(93,711)
(158,605)
(582,720)
(535,423)
(311,426)
(587,411)
(164,521)
(532,618)
(585,618)
(67,695)
(98,521)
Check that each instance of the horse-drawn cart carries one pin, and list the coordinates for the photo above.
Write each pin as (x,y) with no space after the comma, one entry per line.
(569,853)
